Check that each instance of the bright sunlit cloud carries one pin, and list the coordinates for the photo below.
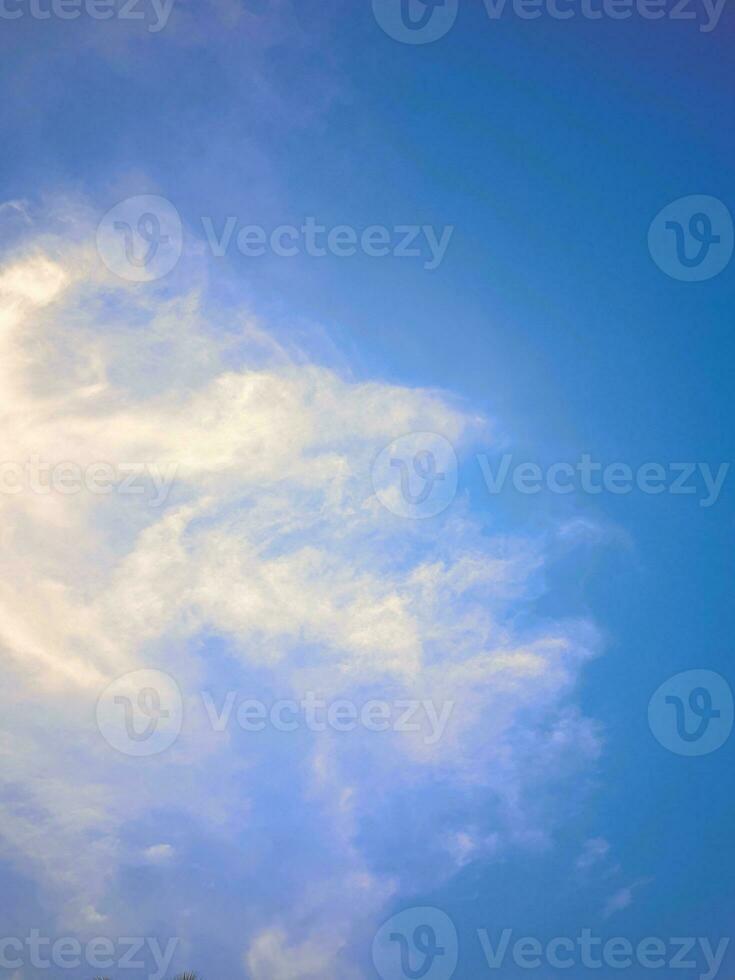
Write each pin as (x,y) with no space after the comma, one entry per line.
(256,559)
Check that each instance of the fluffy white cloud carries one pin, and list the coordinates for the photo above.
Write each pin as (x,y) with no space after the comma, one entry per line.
(268,566)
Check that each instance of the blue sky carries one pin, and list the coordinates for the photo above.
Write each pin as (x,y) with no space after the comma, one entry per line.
(547,332)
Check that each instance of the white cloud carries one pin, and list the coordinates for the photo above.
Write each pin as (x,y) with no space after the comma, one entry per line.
(594,851)
(159,853)
(272,957)
(273,544)
(623,897)
(618,901)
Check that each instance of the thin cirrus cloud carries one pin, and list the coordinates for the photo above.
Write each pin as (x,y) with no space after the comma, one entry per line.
(270,568)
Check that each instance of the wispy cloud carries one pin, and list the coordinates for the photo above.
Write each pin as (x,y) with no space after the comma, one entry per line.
(270,566)
(623,897)
(594,851)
